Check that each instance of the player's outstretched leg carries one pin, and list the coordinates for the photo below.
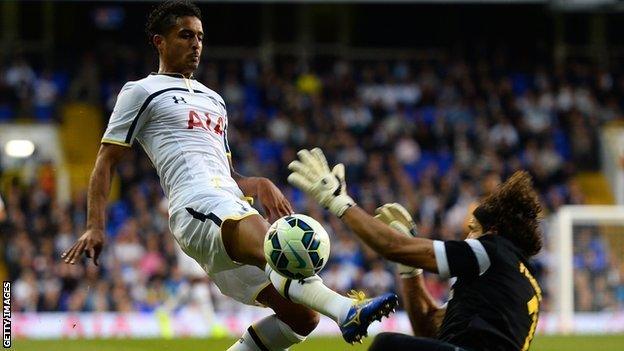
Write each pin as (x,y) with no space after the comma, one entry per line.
(244,241)
(353,314)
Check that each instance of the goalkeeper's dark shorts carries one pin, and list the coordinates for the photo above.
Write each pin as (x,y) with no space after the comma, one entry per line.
(396,341)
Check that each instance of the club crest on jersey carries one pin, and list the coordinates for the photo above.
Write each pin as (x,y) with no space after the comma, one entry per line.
(178,99)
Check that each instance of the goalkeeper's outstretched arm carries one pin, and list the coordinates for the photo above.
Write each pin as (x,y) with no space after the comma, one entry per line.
(311,174)
(423,311)
(389,243)
(388,234)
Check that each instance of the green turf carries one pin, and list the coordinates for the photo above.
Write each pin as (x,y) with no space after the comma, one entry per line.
(541,343)
(597,343)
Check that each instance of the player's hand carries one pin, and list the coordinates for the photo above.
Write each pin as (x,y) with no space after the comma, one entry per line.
(397,217)
(273,201)
(91,243)
(311,174)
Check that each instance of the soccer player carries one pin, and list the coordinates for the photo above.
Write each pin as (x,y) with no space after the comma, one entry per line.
(490,181)
(495,300)
(182,125)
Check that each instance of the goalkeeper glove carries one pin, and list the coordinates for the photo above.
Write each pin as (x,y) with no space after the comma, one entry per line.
(311,174)
(397,217)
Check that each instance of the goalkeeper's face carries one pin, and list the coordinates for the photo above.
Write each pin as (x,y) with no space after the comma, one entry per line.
(475,228)
(180,49)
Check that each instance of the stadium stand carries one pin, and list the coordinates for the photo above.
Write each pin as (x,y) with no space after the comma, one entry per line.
(416,132)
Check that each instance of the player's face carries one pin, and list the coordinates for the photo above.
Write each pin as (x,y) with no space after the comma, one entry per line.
(475,229)
(181,48)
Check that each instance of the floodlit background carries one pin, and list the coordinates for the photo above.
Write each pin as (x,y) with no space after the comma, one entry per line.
(424,101)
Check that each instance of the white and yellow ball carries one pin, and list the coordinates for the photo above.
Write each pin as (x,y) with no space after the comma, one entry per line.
(296,246)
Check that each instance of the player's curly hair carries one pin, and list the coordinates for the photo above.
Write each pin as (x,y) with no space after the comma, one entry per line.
(512,211)
(164,16)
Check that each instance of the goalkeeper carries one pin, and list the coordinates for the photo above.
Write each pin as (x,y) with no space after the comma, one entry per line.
(494,303)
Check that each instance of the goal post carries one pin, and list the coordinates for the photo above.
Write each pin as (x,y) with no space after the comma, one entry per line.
(604,221)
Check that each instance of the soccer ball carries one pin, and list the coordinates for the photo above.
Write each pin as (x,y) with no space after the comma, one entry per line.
(296,246)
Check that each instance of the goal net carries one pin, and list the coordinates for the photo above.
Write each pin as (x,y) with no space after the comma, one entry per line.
(586,270)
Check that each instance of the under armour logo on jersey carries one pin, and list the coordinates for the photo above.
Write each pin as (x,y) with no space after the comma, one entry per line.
(177,99)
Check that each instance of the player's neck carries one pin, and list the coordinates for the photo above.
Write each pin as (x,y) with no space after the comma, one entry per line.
(164,69)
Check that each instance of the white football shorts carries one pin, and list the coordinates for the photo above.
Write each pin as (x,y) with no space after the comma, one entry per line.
(197,228)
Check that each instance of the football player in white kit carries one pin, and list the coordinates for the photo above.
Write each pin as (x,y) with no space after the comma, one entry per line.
(182,126)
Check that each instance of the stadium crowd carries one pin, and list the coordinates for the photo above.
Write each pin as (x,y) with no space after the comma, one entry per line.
(423,134)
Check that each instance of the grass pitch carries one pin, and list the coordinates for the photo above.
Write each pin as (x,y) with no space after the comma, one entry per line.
(541,343)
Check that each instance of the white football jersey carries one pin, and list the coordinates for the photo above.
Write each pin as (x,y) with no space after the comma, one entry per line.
(182,126)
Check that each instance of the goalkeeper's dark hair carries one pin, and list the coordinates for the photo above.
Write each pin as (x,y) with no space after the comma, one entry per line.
(512,211)
(165,16)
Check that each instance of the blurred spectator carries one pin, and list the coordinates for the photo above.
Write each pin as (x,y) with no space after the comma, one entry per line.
(20,77)
(2,210)
(46,95)
(86,84)
(378,280)
(26,292)
(597,279)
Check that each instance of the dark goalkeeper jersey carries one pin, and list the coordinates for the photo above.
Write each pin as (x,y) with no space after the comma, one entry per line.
(495,301)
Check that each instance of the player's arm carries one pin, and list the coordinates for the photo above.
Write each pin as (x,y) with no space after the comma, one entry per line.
(130,114)
(311,174)
(466,259)
(273,201)
(389,243)
(249,185)
(253,187)
(92,241)
(422,309)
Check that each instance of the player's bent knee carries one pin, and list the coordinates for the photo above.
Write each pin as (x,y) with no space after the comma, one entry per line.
(302,320)
(299,318)
(311,321)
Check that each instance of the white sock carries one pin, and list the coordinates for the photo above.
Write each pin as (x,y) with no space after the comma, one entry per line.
(312,293)
(268,334)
